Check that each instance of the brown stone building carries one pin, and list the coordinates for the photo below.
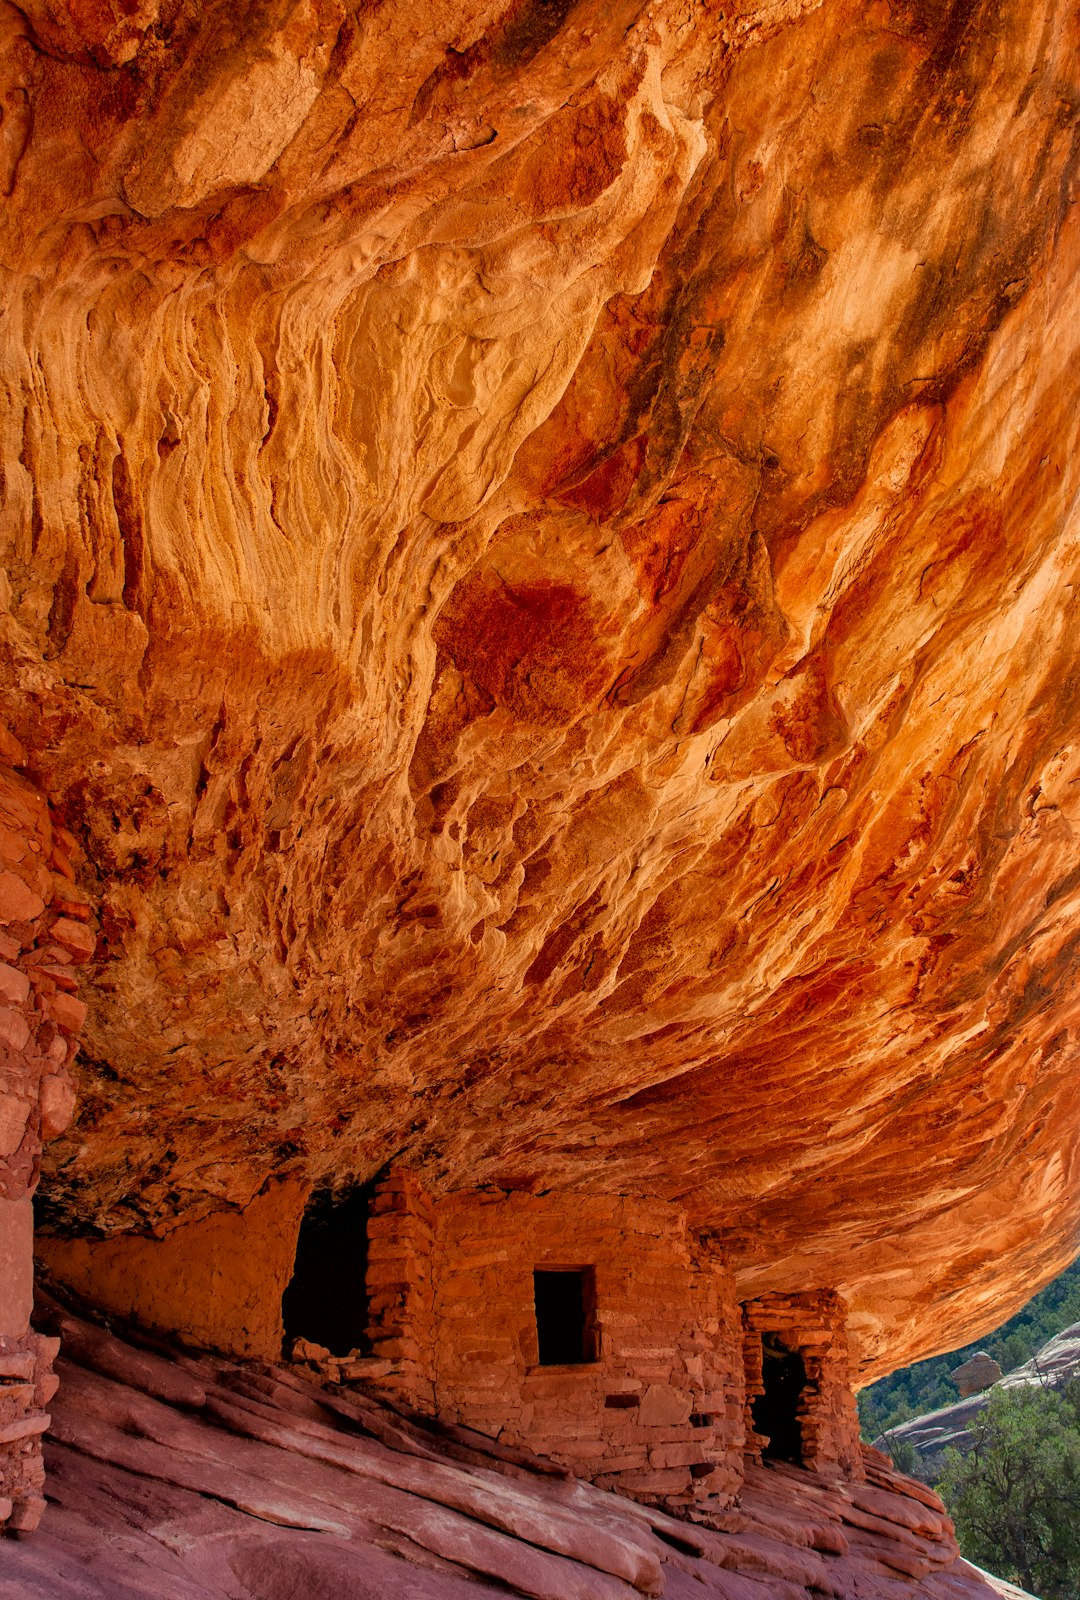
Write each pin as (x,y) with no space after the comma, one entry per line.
(597,1330)
(587,1327)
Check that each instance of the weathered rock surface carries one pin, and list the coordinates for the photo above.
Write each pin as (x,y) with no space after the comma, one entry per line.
(976,1374)
(540,547)
(211,1480)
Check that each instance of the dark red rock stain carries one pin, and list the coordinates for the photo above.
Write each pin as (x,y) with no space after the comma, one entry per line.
(581,153)
(608,487)
(533,647)
(811,725)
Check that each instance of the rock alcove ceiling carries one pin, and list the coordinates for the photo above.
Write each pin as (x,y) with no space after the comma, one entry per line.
(540,558)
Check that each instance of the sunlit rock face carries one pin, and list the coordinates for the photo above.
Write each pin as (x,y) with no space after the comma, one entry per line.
(540,550)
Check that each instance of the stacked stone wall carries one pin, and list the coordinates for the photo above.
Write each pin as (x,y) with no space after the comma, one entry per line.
(814,1324)
(658,1413)
(46,933)
(400,1292)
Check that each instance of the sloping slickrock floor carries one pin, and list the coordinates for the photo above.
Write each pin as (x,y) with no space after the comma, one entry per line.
(204,1479)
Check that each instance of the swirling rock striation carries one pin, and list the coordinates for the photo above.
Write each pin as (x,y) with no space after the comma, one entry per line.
(540,554)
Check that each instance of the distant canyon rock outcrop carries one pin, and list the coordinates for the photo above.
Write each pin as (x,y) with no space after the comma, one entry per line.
(541,547)
(934,1432)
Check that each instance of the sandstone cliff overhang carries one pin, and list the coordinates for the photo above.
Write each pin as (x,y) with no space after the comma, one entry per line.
(540,546)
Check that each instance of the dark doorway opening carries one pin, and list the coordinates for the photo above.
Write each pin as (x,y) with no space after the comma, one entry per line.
(326,1298)
(565,1300)
(776,1412)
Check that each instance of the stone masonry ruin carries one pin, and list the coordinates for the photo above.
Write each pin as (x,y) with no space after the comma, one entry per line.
(646,1397)
(597,1330)
(46,933)
(810,1419)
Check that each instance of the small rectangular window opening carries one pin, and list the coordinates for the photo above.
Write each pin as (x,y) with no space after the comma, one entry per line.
(565,1299)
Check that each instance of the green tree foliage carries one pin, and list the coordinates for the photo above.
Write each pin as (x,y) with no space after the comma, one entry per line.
(905,1457)
(1015,1496)
(926,1386)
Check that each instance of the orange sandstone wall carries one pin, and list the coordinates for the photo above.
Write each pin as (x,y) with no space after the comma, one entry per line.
(216,1283)
(45,935)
